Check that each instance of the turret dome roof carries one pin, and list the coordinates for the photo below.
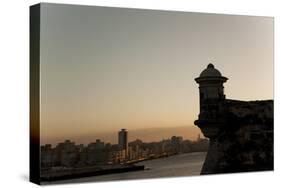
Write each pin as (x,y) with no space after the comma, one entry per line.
(210,71)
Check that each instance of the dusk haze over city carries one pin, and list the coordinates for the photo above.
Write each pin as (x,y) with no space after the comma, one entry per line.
(135,69)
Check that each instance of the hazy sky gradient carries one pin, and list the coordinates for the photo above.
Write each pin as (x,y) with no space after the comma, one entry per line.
(104,69)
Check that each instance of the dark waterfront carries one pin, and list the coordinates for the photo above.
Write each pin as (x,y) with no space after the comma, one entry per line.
(188,164)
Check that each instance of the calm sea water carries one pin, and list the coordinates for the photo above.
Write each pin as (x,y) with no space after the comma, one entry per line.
(189,164)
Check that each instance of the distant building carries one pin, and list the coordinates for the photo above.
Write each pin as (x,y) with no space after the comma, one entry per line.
(123,139)
(176,143)
(99,144)
(240,132)
(47,157)
(66,153)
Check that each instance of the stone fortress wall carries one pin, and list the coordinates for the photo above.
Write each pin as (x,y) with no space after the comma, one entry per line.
(240,132)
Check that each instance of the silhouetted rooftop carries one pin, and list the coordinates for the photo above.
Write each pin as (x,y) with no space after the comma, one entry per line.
(210,71)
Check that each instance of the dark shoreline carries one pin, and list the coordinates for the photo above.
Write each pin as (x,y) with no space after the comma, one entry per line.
(188,164)
(94,171)
(81,173)
(77,173)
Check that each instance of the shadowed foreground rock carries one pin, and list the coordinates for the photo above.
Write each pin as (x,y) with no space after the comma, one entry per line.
(240,132)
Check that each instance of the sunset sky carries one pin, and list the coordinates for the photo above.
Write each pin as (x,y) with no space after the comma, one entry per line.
(103,69)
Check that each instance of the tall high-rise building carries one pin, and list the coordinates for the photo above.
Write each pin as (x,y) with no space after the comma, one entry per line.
(123,139)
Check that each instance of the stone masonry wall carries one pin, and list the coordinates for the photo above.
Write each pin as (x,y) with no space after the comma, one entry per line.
(240,133)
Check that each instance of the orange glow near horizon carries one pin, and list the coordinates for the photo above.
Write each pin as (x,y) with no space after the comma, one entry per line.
(104,69)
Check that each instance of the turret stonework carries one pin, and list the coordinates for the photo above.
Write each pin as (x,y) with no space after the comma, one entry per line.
(240,132)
